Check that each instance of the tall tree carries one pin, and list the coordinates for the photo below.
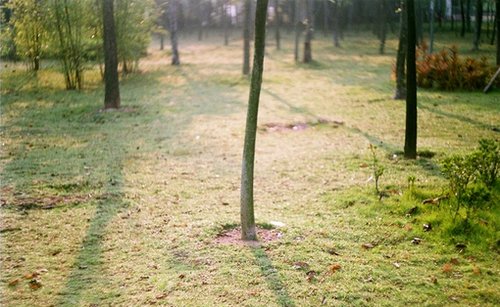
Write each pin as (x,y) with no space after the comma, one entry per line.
(248,231)
(479,24)
(336,24)
(401,55)
(277,23)
(497,23)
(382,25)
(173,8)
(112,87)
(298,27)
(410,149)
(309,32)
(246,37)
(431,26)
(462,16)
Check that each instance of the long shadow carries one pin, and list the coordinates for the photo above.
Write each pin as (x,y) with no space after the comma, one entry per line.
(272,277)
(294,109)
(459,117)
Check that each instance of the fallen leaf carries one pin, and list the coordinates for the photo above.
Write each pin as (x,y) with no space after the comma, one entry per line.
(476,270)
(434,280)
(332,251)
(311,275)
(35,284)
(277,224)
(182,276)
(447,268)
(335,267)
(454,261)
(427,227)
(367,246)
(396,264)
(160,296)
(412,211)
(460,246)
(363,165)
(13,282)
(323,301)
(408,227)
(31,275)
(300,265)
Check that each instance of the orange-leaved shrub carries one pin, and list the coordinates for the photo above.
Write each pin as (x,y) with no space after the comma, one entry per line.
(445,70)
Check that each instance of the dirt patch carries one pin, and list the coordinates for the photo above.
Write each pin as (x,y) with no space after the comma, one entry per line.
(233,236)
(300,126)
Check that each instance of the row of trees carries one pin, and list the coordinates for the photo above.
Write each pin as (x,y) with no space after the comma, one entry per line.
(72,32)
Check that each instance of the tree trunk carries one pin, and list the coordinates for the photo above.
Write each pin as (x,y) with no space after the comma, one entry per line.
(401,57)
(382,25)
(112,87)
(226,21)
(277,34)
(410,149)
(309,33)
(462,17)
(497,28)
(246,37)
(172,18)
(419,23)
(248,231)
(298,27)
(467,15)
(325,17)
(336,25)
(479,24)
(431,26)
(162,42)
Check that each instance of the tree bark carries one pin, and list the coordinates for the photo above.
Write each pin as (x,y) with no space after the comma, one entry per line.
(246,37)
(479,24)
(248,231)
(172,18)
(462,15)
(410,149)
(497,28)
(431,26)
(278,21)
(401,56)
(309,33)
(298,26)
(112,87)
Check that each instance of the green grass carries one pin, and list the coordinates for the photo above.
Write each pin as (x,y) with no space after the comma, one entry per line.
(142,193)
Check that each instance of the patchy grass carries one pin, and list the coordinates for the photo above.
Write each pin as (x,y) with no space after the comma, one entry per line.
(151,187)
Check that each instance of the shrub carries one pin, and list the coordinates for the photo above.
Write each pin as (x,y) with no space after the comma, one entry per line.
(471,177)
(445,70)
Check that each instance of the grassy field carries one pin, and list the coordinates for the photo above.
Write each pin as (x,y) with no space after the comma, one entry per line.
(126,207)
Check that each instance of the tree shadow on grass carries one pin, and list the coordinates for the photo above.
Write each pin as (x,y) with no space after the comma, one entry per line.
(272,277)
(461,118)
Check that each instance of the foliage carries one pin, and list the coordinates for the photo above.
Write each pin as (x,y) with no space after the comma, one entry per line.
(30,35)
(134,22)
(471,177)
(445,70)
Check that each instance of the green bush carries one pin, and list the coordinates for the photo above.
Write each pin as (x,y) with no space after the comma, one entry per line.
(472,177)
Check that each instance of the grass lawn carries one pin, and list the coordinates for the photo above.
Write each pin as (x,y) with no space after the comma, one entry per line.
(127,207)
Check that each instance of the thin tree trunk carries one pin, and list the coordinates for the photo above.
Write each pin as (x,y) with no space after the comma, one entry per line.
(246,37)
(298,27)
(309,33)
(479,24)
(226,21)
(172,10)
(497,28)
(248,230)
(410,148)
(162,42)
(431,26)
(278,21)
(336,25)
(462,15)
(112,86)
(382,25)
(467,15)
(419,23)
(325,17)
(401,56)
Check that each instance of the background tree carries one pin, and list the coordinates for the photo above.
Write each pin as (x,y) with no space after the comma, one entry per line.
(112,87)
(410,149)
(309,31)
(479,24)
(336,24)
(431,26)
(401,55)
(246,37)
(173,7)
(298,26)
(248,231)
(277,24)
(30,30)
(497,23)
(382,27)
(462,16)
